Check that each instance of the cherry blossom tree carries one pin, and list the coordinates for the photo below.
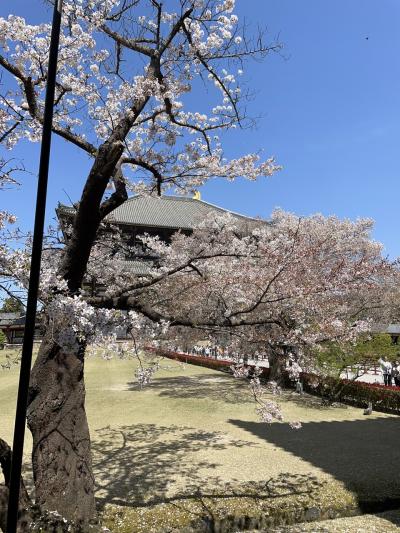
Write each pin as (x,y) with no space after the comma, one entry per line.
(8,170)
(284,288)
(125,67)
(125,70)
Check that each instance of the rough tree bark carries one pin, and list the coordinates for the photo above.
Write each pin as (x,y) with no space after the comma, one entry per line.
(61,456)
(277,363)
(23,514)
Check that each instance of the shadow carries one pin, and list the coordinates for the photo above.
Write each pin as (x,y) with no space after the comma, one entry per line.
(145,464)
(308,401)
(363,454)
(220,387)
(224,387)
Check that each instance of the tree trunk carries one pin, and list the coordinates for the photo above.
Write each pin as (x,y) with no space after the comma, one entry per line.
(277,364)
(61,457)
(3,507)
(24,500)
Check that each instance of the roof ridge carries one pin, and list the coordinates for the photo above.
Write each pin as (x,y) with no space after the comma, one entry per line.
(139,207)
(194,200)
(227,210)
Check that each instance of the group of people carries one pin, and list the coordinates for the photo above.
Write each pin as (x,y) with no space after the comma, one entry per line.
(390,372)
(217,352)
(207,351)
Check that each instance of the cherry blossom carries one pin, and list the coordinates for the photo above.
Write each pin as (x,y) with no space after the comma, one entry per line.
(124,73)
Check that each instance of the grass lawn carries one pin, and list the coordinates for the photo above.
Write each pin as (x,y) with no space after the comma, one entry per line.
(194,432)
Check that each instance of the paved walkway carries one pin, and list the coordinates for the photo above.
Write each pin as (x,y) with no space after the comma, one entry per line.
(368,377)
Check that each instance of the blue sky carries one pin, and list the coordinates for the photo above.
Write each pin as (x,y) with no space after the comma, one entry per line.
(329,112)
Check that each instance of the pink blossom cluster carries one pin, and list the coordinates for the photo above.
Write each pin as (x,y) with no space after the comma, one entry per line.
(145,375)
(95,91)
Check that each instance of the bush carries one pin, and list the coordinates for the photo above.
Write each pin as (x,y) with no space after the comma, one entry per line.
(208,362)
(386,399)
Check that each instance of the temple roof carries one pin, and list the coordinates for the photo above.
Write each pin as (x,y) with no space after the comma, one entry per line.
(391,329)
(11,319)
(175,212)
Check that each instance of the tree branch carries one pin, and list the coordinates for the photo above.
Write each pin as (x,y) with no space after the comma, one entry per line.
(214,75)
(131,303)
(29,90)
(119,195)
(132,44)
(175,30)
(147,166)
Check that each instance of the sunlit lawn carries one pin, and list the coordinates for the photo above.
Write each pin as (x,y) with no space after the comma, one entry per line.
(194,429)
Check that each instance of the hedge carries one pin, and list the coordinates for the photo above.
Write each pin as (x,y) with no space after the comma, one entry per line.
(359,394)
(208,362)
(198,360)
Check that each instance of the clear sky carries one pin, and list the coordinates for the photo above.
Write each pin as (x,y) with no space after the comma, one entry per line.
(329,112)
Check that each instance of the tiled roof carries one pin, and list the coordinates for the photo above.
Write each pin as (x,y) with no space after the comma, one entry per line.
(139,268)
(164,212)
(392,329)
(11,319)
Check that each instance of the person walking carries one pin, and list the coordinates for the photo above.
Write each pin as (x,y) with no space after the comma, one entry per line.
(389,378)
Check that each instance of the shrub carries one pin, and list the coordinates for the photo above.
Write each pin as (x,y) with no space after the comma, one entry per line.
(355,393)
(208,362)
(3,338)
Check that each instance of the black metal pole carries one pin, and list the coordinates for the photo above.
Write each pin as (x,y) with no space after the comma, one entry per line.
(26,360)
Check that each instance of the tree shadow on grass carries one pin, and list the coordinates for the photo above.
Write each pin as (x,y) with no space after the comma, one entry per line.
(221,386)
(308,401)
(224,387)
(363,454)
(218,387)
(137,466)
(146,464)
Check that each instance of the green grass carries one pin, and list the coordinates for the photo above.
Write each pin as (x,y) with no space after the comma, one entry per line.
(193,434)
(8,396)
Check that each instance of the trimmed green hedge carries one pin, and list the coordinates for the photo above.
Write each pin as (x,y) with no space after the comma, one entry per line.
(357,393)
(208,362)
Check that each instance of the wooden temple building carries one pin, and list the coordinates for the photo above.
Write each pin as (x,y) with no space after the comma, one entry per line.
(13,326)
(156,216)
(160,216)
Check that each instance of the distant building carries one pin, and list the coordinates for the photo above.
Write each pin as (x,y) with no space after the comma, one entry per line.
(391,329)
(160,216)
(13,326)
